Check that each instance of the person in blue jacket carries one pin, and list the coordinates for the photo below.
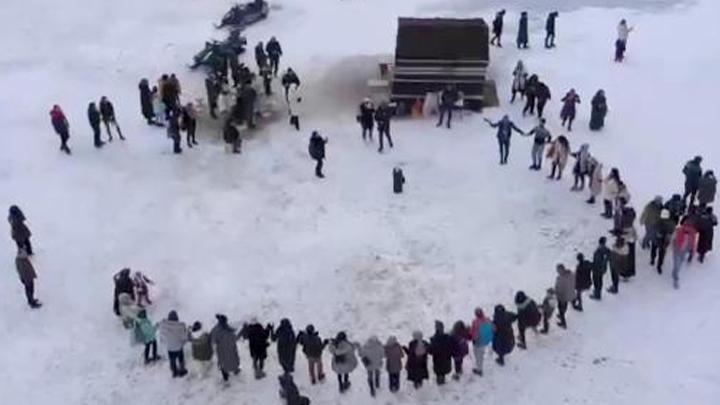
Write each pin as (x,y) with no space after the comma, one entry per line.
(505,128)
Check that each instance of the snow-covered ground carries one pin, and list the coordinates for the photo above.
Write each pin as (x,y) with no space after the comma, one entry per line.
(257,234)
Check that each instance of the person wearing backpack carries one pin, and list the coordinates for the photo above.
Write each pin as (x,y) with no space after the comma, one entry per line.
(481,334)
(528,316)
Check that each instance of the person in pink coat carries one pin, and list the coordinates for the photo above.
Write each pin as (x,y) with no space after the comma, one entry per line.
(683,244)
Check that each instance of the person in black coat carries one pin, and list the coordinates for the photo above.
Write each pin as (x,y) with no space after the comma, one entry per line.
(286,345)
(417,364)
(664,231)
(274,51)
(260,56)
(383,114)
(212,87)
(94,120)
(522,37)
(288,79)
(583,280)
(448,98)
(123,284)
(313,346)
(542,92)
(550,30)
(598,111)
(146,102)
(398,180)
(442,347)
(19,231)
(231,136)
(497,28)
(528,316)
(531,93)
(676,207)
(693,172)
(107,113)
(601,259)
(258,337)
(705,223)
(316,148)
(504,133)
(504,340)
(367,114)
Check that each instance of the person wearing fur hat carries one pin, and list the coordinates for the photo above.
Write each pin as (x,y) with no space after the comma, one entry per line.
(174,334)
(312,347)
(393,362)
(441,349)
(258,338)
(202,351)
(417,364)
(372,354)
(565,290)
(528,316)
(344,360)
(224,338)
(650,218)
(548,309)
(27,275)
(583,280)
(481,334)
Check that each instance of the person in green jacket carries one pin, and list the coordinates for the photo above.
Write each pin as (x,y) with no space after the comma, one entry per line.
(145,333)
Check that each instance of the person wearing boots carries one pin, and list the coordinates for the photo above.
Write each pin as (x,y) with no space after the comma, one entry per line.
(313,346)
(550,30)
(565,289)
(618,262)
(497,28)
(583,280)
(317,152)
(548,309)
(528,316)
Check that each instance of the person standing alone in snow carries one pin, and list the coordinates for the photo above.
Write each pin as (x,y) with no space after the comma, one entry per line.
(107,112)
(94,120)
(316,148)
(522,36)
(19,231)
(497,28)
(383,114)
(448,98)
(504,132)
(623,32)
(550,30)
(61,127)
(27,275)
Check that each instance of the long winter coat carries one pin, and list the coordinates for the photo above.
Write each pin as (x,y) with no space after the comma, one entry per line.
(651,214)
(504,340)
(583,278)
(582,160)
(372,354)
(174,334)
(568,109)
(558,153)
(225,341)
(596,178)
(18,230)
(528,314)
(519,77)
(619,258)
(286,345)
(317,147)
(393,355)
(704,225)
(24,268)
(522,36)
(707,187)
(612,189)
(417,364)
(693,173)
(565,285)
(598,112)
(367,114)
(442,347)
(146,100)
(344,360)
(258,338)
(601,258)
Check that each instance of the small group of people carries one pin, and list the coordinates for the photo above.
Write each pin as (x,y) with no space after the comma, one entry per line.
(523,36)
(535,92)
(370,116)
(105,114)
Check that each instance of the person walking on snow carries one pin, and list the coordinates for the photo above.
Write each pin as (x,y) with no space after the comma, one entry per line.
(19,231)
(558,154)
(296,108)
(567,114)
(481,334)
(583,280)
(286,340)
(145,333)
(650,218)
(142,289)
(313,346)
(366,118)
(94,120)
(683,244)
(417,354)
(704,223)
(504,132)
(383,114)
(663,236)
(288,79)
(174,334)
(548,309)
(274,52)
(504,337)
(707,187)
(531,92)
(173,131)
(146,102)
(344,360)
(224,338)
(372,354)
(601,259)
(189,123)
(612,190)
(565,290)
(258,338)
(316,148)
(582,167)
(107,112)
(522,36)
(519,78)
(26,273)
(550,30)
(461,336)
(393,364)
(618,263)
(693,174)
(542,136)
(260,56)
(676,207)
(528,317)
(448,98)
(542,93)
(497,28)
(598,111)
(61,127)
(441,349)
(595,180)
(621,42)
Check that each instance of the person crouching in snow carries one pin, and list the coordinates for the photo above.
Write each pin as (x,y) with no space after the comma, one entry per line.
(145,333)
(174,334)
(528,316)
(127,309)
(461,335)
(372,354)
(548,309)
(142,290)
(202,351)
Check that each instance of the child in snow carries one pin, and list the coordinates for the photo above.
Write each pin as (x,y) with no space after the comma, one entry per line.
(142,291)
(128,310)
(202,351)
(548,309)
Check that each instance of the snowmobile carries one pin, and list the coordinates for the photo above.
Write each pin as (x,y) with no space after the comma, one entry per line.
(242,15)
(216,51)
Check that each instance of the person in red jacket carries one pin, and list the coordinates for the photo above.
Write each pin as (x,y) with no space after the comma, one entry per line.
(61,126)
(683,245)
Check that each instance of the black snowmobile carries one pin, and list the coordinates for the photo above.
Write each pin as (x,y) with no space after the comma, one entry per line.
(241,15)
(216,52)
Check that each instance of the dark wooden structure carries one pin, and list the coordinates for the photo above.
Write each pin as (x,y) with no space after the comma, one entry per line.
(433,53)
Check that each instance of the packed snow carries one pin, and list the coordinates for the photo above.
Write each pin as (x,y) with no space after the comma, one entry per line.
(257,234)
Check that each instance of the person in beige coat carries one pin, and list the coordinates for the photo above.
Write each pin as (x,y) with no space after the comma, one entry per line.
(558,154)
(596,179)
(611,189)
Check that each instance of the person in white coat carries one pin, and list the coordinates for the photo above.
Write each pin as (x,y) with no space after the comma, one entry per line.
(623,31)
(372,354)
(295,107)
(596,179)
(174,334)
(520,76)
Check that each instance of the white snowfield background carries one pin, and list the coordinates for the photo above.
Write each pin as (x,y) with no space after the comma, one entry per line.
(258,235)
